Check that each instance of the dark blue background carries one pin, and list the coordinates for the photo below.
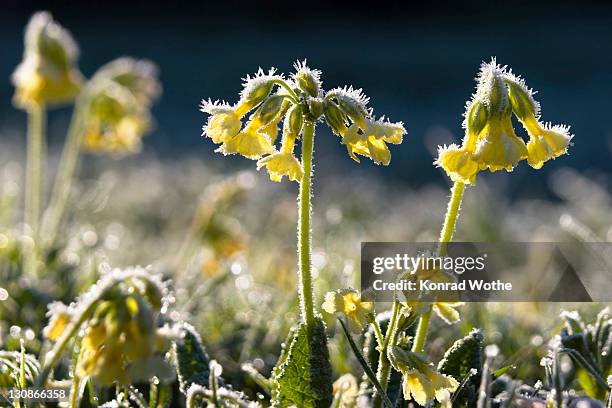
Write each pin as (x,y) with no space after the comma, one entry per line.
(416,62)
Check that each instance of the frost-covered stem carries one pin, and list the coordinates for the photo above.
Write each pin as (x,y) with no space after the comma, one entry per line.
(448,228)
(34,179)
(291,93)
(421,331)
(384,365)
(75,391)
(452,213)
(304,227)
(63,179)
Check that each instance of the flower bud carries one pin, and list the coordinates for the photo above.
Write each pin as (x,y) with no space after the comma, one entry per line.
(354,111)
(268,110)
(315,107)
(295,120)
(335,118)
(306,79)
(523,104)
(258,87)
(476,117)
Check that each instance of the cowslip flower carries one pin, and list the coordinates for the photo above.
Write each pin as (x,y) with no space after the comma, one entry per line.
(490,141)
(443,304)
(122,341)
(348,302)
(273,99)
(59,318)
(119,98)
(420,379)
(47,74)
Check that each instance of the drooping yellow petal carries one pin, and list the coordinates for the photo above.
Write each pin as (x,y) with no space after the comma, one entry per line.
(223,126)
(378,151)
(458,164)
(249,143)
(546,142)
(349,303)
(280,165)
(498,146)
(418,387)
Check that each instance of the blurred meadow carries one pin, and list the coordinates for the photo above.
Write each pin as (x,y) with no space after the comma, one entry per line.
(225,236)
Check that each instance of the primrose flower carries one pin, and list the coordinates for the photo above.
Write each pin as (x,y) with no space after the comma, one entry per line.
(296,101)
(122,336)
(490,141)
(47,74)
(250,143)
(349,303)
(420,380)
(59,319)
(446,309)
(119,98)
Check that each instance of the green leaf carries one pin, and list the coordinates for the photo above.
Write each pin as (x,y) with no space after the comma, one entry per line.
(191,359)
(464,355)
(366,367)
(303,375)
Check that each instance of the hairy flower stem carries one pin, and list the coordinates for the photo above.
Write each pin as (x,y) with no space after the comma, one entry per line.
(63,179)
(384,365)
(304,227)
(34,180)
(450,222)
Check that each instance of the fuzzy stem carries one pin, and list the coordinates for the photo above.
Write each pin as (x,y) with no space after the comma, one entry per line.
(34,179)
(452,213)
(384,365)
(448,228)
(63,180)
(304,227)
(421,332)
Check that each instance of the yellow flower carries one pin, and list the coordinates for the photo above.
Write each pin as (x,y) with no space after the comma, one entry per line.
(281,164)
(250,143)
(59,319)
(124,136)
(47,74)
(117,114)
(373,141)
(348,302)
(498,146)
(223,125)
(424,387)
(545,142)
(420,380)
(458,163)
(490,141)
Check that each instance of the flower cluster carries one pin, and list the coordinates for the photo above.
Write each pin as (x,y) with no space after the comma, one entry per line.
(122,340)
(47,75)
(490,141)
(119,98)
(420,380)
(272,99)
